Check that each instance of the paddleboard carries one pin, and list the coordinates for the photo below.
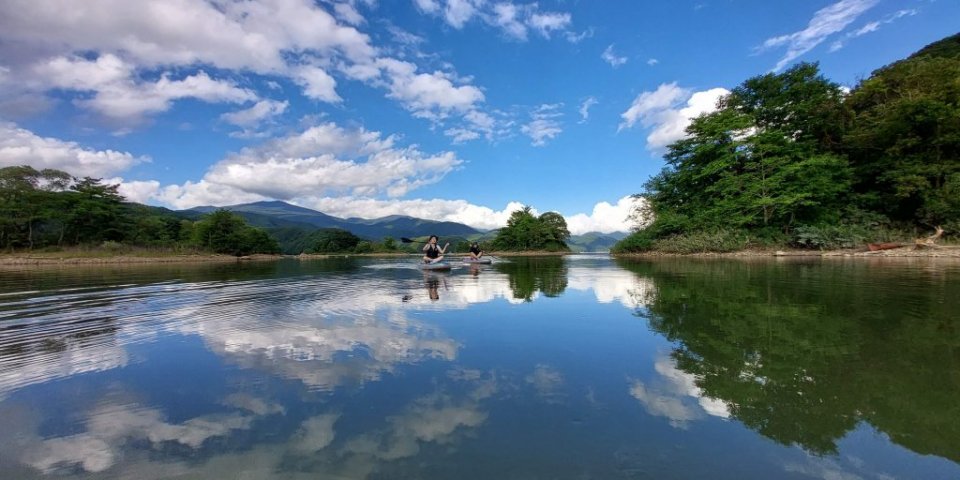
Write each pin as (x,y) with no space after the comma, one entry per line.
(435,266)
(478,260)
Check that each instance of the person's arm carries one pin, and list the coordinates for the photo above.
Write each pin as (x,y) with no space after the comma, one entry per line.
(444,249)
(426,246)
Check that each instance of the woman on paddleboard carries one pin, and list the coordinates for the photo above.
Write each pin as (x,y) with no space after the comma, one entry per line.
(475,252)
(433,253)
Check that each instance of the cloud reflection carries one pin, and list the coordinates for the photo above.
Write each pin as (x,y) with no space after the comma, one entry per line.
(676,396)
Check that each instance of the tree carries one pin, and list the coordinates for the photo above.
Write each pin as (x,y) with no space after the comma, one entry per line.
(764,160)
(525,231)
(905,140)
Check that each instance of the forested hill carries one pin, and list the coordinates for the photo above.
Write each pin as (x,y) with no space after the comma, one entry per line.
(792,158)
(277,214)
(947,48)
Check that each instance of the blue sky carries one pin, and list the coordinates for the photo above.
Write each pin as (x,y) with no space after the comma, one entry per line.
(456,110)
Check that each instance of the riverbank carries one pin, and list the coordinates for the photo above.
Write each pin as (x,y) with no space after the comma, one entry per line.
(60,258)
(903,252)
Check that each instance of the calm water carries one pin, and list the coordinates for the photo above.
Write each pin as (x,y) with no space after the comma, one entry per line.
(537,368)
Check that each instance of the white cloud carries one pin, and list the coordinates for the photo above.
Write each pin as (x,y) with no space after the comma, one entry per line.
(435,209)
(871,27)
(19,146)
(459,12)
(669,110)
(506,17)
(348,14)
(253,116)
(428,95)
(512,19)
(428,6)
(317,84)
(652,61)
(825,22)
(605,218)
(611,58)
(135,191)
(461,135)
(549,22)
(544,125)
(119,95)
(325,159)
(585,108)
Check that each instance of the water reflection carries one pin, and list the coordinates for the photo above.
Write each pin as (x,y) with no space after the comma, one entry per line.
(375,369)
(806,364)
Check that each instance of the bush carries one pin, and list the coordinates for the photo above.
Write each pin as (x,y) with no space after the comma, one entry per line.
(826,237)
(704,242)
(636,242)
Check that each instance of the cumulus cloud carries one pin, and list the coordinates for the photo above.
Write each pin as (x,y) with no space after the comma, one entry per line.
(19,146)
(544,125)
(126,67)
(428,95)
(825,22)
(439,209)
(258,113)
(668,110)
(605,218)
(117,94)
(613,59)
(652,61)
(324,159)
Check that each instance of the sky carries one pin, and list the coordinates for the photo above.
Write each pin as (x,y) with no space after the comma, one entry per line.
(458,110)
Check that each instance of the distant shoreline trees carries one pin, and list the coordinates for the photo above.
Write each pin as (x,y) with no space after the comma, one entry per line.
(51,209)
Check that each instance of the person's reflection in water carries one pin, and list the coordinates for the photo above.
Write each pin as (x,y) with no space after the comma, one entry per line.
(433,285)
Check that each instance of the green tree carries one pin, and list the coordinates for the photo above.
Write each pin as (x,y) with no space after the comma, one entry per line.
(525,231)
(905,140)
(766,159)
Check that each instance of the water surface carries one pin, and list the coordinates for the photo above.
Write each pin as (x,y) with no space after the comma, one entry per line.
(532,368)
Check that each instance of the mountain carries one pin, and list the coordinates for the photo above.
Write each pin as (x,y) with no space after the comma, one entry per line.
(277,214)
(595,241)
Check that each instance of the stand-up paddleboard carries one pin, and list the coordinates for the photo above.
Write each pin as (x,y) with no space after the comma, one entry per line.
(435,266)
(479,261)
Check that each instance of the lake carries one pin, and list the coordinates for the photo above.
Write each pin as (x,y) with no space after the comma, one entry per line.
(577,367)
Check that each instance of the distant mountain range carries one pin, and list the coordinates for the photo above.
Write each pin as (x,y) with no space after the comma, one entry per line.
(276,215)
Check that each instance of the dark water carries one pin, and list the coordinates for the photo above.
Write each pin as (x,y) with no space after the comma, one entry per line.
(538,368)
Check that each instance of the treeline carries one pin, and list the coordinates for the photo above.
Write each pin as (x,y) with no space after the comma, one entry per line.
(50,209)
(525,231)
(792,158)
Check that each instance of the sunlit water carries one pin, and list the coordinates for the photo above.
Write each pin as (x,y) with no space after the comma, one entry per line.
(580,367)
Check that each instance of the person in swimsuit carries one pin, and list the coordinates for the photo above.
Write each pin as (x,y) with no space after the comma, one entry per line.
(433,253)
(475,252)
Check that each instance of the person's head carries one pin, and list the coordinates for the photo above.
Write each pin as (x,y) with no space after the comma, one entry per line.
(433,239)
(475,245)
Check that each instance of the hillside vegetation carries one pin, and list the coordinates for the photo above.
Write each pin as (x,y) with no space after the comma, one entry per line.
(792,159)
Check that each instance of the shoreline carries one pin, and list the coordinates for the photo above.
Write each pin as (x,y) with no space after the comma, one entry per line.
(903,252)
(28,260)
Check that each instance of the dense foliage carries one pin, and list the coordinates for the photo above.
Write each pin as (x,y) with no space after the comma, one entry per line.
(791,157)
(525,231)
(52,209)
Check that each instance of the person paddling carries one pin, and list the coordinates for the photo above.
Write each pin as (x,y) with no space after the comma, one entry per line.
(475,252)
(433,253)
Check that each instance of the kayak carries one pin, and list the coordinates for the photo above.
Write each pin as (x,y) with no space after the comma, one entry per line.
(478,260)
(435,266)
